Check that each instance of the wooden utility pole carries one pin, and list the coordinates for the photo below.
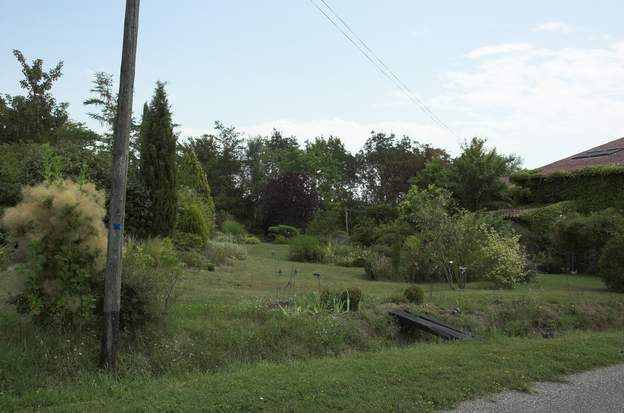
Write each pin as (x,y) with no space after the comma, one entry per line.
(121,137)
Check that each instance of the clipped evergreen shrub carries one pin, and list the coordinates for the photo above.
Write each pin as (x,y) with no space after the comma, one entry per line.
(192,220)
(195,190)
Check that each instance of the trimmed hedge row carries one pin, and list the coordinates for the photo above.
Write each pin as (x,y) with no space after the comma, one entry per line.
(594,188)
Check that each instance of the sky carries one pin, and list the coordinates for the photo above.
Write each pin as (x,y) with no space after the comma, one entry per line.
(539,79)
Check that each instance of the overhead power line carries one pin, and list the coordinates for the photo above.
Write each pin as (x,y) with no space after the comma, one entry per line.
(376,61)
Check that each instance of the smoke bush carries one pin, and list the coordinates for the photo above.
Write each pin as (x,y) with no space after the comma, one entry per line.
(61,239)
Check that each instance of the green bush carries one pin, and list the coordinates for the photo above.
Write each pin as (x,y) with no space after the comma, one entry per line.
(346,255)
(578,240)
(195,216)
(351,297)
(196,207)
(234,228)
(341,300)
(324,222)
(222,253)
(506,260)
(191,220)
(59,228)
(251,239)
(612,263)
(541,221)
(286,232)
(379,267)
(151,272)
(185,241)
(414,294)
(195,259)
(306,248)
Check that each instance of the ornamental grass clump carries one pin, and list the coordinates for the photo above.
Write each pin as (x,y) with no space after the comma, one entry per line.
(61,245)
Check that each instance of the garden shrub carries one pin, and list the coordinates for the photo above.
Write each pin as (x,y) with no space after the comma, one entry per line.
(151,272)
(286,232)
(195,215)
(346,255)
(414,294)
(306,248)
(612,263)
(541,222)
(221,253)
(506,259)
(234,228)
(341,300)
(351,297)
(191,220)
(185,241)
(195,259)
(251,239)
(578,240)
(324,222)
(61,238)
(195,190)
(379,267)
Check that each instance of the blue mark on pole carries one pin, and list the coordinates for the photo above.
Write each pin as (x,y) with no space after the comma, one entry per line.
(116,227)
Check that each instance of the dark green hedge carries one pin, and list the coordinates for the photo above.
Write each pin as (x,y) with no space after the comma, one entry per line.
(594,188)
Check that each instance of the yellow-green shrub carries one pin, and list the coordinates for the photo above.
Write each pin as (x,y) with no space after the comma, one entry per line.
(506,259)
(61,237)
(193,187)
(192,218)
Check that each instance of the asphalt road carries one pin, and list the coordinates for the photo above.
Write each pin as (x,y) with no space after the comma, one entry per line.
(596,391)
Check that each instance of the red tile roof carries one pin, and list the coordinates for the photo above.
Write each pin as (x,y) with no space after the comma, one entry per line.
(609,154)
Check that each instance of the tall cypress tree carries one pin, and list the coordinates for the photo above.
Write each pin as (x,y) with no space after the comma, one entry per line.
(158,162)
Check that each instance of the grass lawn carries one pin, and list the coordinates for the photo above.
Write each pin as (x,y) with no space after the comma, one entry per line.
(224,349)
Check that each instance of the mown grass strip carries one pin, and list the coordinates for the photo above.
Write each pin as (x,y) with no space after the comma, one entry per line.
(413,379)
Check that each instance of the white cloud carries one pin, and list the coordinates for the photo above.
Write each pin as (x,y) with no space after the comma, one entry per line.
(543,104)
(498,49)
(554,27)
(540,103)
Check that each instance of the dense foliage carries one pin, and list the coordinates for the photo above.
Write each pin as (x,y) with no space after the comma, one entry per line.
(455,245)
(158,162)
(306,248)
(290,199)
(592,188)
(563,239)
(612,263)
(61,241)
(196,211)
(37,116)
(414,294)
